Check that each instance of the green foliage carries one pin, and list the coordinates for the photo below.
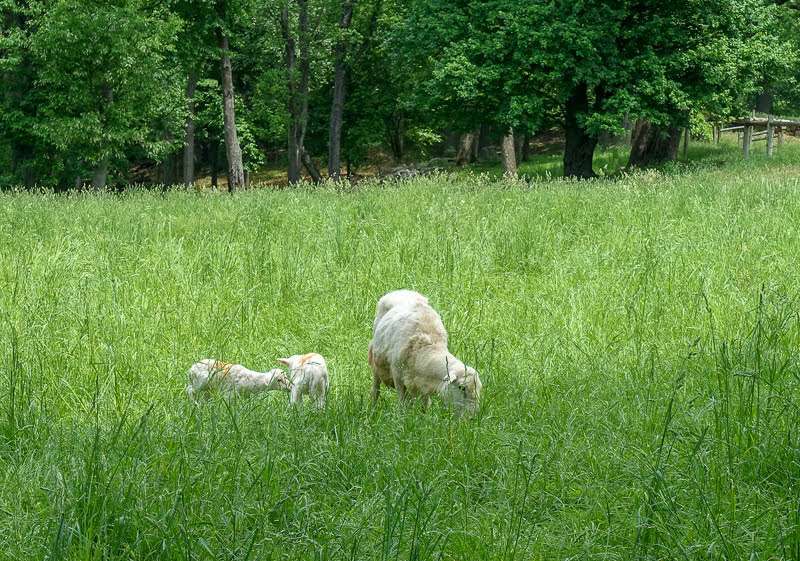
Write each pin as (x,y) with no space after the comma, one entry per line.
(507,61)
(109,87)
(416,70)
(782,77)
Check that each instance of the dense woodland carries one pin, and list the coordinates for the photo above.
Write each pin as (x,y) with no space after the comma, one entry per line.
(139,91)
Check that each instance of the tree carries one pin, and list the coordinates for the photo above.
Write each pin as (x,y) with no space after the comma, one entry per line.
(509,155)
(704,59)
(475,77)
(196,46)
(507,62)
(298,59)
(781,71)
(339,92)
(232,148)
(189,138)
(108,86)
(17,99)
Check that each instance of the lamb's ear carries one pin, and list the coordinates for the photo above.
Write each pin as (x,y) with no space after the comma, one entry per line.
(284,361)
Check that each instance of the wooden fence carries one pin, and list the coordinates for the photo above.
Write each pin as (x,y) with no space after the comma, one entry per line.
(772,128)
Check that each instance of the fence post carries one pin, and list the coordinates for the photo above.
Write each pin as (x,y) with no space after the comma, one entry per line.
(686,143)
(770,136)
(748,138)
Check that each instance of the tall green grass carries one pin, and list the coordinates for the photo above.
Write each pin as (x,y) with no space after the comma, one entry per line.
(637,339)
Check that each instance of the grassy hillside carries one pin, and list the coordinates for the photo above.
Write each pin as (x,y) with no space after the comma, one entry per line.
(637,338)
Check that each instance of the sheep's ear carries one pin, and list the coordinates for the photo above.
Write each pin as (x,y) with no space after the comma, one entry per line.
(284,361)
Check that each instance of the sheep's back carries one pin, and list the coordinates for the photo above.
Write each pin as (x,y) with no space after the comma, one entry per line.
(405,330)
(396,298)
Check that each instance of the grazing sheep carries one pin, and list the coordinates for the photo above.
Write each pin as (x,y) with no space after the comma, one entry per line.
(229,379)
(394,298)
(409,352)
(309,376)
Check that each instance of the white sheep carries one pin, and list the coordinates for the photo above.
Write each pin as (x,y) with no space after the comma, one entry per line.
(231,379)
(395,298)
(409,352)
(309,376)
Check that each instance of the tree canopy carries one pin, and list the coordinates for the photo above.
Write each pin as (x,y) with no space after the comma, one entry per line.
(128,88)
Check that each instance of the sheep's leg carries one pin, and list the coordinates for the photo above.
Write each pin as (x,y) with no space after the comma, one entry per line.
(376,387)
(402,394)
(376,379)
(426,402)
(397,378)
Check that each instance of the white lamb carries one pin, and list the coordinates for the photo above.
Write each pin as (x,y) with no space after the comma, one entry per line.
(232,379)
(409,352)
(309,376)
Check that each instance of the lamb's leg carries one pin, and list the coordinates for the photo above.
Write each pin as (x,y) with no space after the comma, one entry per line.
(296,396)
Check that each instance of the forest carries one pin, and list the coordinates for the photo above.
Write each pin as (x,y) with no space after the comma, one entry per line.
(117,92)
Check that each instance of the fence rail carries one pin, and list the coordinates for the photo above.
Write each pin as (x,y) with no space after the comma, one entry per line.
(746,131)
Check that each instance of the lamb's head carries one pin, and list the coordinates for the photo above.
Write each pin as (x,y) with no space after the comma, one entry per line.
(292,362)
(279,380)
(463,389)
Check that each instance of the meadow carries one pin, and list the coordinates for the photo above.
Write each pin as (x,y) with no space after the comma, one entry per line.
(637,337)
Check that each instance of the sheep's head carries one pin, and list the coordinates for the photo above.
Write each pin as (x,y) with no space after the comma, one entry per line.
(464,389)
(279,380)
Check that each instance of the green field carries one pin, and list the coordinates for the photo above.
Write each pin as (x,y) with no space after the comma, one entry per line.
(636,336)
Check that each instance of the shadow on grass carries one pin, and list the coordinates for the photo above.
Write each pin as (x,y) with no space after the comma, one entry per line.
(612,162)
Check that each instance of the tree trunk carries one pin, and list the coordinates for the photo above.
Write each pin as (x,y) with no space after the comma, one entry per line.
(305,71)
(189,144)
(518,148)
(100,177)
(308,163)
(339,94)
(466,148)
(213,162)
(293,150)
(395,126)
(479,142)
(652,145)
(526,147)
(628,126)
(509,155)
(168,170)
(232,149)
(580,145)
